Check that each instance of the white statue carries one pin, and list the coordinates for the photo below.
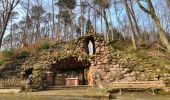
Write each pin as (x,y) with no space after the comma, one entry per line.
(90,48)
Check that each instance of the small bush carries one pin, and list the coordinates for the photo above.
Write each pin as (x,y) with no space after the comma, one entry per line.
(8,54)
(23,55)
(34,48)
(1,62)
(45,46)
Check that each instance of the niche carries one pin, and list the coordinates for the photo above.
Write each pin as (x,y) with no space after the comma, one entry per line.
(90,46)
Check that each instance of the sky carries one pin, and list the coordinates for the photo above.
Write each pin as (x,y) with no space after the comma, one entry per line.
(47,4)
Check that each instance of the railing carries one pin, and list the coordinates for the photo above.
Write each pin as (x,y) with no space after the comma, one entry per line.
(152,85)
(12,82)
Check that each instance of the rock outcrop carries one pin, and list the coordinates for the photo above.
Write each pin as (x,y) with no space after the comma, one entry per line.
(106,65)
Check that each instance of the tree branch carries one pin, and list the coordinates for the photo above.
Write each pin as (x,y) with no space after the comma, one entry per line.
(142,7)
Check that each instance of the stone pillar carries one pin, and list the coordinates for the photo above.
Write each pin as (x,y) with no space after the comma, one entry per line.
(50,78)
(90,77)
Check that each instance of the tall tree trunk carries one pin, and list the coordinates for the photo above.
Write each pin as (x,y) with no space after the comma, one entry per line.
(81,23)
(4,28)
(95,19)
(162,33)
(65,32)
(101,26)
(58,32)
(53,16)
(111,25)
(9,6)
(135,22)
(11,36)
(131,25)
(106,24)
(168,3)
(23,40)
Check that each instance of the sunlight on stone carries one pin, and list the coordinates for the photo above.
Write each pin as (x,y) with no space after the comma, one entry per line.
(90,48)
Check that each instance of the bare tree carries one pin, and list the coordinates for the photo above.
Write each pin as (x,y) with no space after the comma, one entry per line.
(7,8)
(53,18)
(152,13)
(131,10)
(23,40)
(168,3)
(131,24)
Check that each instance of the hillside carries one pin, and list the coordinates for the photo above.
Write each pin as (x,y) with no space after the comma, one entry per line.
(110,62)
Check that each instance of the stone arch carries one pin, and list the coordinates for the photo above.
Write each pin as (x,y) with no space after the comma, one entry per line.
(70,67)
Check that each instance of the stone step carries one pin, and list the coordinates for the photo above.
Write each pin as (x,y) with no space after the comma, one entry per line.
(82,87)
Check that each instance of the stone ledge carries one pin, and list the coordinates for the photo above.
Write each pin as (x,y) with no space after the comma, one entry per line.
(10,89)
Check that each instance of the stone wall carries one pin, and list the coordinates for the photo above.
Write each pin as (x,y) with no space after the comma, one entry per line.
(110,65)
(106,65)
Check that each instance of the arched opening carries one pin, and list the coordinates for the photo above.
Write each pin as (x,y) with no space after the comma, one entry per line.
(70,67)
(28,72)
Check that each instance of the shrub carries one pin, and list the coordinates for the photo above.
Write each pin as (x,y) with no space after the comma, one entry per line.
(45,45)
(34,48)
(1,62)
(23,55)
(8,54)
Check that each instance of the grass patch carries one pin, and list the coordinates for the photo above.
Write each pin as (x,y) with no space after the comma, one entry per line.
(45,45)
(1,62)
(8,54)
(23,54)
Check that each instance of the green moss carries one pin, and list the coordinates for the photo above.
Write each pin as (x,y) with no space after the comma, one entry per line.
(37,82)
(45,45)
(22,55)
(2,62)
(8,54)
(162,92)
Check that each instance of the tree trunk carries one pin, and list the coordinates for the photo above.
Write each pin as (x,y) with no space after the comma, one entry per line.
(162,33)
(112,33)
(107,25)
(10,6)
(81,23)
(101,26)
(131,25)
(168,3)
(23,41)
(53,28)
(58,32)
(5,26)
(135,22)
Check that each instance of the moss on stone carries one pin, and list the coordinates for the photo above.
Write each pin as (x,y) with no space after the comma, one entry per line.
(37,81)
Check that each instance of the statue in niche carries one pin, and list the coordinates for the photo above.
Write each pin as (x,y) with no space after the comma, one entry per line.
(90,48)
